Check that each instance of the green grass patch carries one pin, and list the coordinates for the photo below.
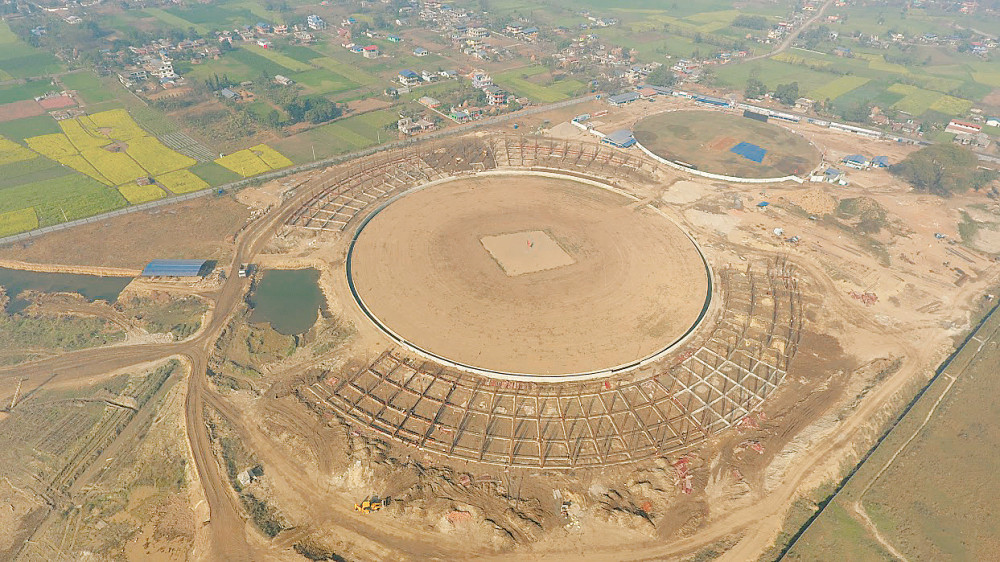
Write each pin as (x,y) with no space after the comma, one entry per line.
(91,88)
(214,174)
(348,71)
(18,92)
(259,64)
(39,63)
(36,169)
(20,129)
(300,53)
(176,21)
(324,81)
(772,73)
(522,82)
(916,100)
(838,87)
(214,15)
(278,57)
(991,79)
(21,220)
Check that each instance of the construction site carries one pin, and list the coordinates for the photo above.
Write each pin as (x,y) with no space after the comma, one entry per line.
(535,346)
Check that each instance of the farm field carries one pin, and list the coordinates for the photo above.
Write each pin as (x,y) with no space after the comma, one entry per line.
(254,160)
(91,88)
(110,151)
(61,199)
(529,83)
(20,60)
(314,72)
(704,139)
(917,504)
(338,137)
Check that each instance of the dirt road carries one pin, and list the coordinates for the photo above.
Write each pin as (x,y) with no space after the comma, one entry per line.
(226,527)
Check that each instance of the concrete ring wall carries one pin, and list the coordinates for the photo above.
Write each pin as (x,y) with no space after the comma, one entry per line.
(708,308)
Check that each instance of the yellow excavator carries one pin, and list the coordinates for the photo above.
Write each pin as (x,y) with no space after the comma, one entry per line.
(371,504)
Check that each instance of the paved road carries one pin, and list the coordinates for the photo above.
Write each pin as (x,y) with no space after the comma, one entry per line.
(793,35)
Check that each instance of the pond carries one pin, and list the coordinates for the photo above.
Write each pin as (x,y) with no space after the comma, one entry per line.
(288,299)
(92,287)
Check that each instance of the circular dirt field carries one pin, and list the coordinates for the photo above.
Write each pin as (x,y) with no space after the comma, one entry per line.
(704,139)
(528,275)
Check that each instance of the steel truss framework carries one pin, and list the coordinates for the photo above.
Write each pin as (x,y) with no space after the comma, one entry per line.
(344,194)
(665,409)
(735,361)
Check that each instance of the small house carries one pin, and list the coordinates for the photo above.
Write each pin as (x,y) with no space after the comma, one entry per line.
(856,161)
(408,78)
(495,96)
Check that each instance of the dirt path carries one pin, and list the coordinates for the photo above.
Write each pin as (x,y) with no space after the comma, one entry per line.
(77,269)
(866,521)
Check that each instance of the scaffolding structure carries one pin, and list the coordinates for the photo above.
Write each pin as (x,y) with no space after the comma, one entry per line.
(680,402)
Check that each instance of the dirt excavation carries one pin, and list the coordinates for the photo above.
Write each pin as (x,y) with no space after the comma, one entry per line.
(436,408)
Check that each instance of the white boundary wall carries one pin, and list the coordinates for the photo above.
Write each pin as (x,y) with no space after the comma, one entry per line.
(710,175)
(709,311)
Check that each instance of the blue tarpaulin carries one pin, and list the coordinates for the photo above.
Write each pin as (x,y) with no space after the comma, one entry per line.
(749,151)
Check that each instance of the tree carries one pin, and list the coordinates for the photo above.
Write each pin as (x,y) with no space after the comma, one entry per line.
(787,93)
(662,76)
(943,169)
(755,89)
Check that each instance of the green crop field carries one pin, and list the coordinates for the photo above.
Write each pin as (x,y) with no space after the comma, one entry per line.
(772,73)
(343,135)
(916,101)
(838,87)
(259,64)
(20,220)
(277,57)
(176,21)
(91,88)
(64,198)
(520,82)
(28,171)
(323,81)
(349,71)
(213,173)
(17,92)
(704,139)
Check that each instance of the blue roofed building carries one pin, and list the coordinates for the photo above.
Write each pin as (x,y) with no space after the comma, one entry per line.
(622,99)
(880,162)
(856,161)
(622,138)
(178,268)
(409,78)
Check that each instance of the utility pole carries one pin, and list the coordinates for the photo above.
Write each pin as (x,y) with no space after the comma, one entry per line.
(13,401)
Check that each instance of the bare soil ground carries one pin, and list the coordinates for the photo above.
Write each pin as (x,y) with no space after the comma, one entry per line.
(202,228)
(854,360)
(20,110)
(421,267)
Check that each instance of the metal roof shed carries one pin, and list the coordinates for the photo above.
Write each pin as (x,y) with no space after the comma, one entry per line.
(621,138)
(177,268)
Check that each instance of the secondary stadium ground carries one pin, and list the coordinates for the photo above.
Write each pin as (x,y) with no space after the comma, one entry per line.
(704,138)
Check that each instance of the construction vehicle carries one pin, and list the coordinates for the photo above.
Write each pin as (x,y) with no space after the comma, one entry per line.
(371,504)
